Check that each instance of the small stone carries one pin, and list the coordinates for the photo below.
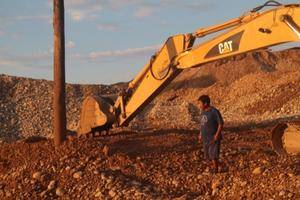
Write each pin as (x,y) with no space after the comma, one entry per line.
(257,170)
(26,180)
(183,197)
(112,193)
(77,175)
(51,185)
(115,168)
(281,176)
(265,162)
(136,183)
(59,192)
(43,177)
(42,194)
(103,176)
(265,173)
(8,194)
(281,193)
(215,183)
(37,175)
(2,185)
(215,191)
(110,179)
(63,158)
(243,149)
(175,183)
(53,168)
(243,184)
(290,195)
(87,159)
(242,193)
(105,150)
(98,194)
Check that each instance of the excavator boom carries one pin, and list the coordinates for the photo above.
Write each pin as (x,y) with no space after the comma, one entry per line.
(247,33)
(252,31)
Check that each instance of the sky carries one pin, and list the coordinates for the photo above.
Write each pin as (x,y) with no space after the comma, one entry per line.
(107,41)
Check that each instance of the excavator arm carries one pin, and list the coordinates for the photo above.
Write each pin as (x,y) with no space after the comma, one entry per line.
(247,33)
(252,31)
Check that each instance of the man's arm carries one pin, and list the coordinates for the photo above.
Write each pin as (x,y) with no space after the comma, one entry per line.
(200,136)
(220,125)
(219,132)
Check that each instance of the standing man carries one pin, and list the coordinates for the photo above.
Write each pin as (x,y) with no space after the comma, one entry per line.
(211,125)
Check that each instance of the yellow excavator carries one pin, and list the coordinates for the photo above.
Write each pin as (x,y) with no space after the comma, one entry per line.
(252,31)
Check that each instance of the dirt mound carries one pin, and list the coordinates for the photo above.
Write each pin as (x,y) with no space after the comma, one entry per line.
(252,87)
(26,105)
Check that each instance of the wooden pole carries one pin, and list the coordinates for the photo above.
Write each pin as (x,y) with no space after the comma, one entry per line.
(59,105)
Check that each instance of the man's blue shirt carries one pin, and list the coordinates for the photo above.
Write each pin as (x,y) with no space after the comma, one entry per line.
(209,121)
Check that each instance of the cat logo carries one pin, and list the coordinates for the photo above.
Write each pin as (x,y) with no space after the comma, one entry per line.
(225,47)
(228,45)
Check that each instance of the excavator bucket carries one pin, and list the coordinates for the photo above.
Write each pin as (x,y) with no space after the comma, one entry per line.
(286,138)
(97,114)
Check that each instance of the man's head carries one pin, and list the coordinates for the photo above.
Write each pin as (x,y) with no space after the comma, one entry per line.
(204,101)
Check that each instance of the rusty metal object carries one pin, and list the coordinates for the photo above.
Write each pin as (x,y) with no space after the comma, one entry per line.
(286,138)
(97,114)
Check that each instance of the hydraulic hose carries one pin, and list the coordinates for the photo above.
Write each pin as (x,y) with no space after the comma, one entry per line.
(268,3)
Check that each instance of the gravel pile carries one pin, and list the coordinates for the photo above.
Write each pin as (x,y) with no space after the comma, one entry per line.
(250,88)
(26,105)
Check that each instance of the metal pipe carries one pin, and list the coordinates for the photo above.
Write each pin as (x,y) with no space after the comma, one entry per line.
(234,22)
(288,20)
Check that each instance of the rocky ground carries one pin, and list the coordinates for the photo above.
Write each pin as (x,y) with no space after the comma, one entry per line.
(148,165)
(157,156)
